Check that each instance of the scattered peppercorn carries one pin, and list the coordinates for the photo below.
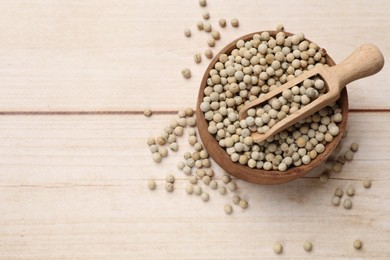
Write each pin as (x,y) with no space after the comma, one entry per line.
(189,189)
(228,209)
(348,155)
(350,191)
(236,199)
(354,147)
(197,58)
(186,73)
(216,35)
(170,178)
(307,246)
(206,15)
(234,22)
(207,27)
(187,32)
(231,186)
(208,54)
(151,184)
(199,25)
(338,192)
(197,190)
(202,3)
(280,27)
(147,112)
(222,22)
(366,183)
(205,196)
(222,190)
(169,186)
(243,204)
(324,177)
(337,167)
(278,248)
(357,244)
(211,42)
(335,200)
(347,204)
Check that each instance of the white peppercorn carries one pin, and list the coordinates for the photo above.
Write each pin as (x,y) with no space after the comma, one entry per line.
(338,192)
(187,170)
(207,27)
(347,204)
(206,163)
(202,3)
(170,178)
(280,27)
(228,209)
(187,32)
(169,186)
(189,189)
(354,147)
(193,179)
(178,131)
(206,15)
(366,183)
(153,148)
(222,190)
(174,146)
(350,191)
(208,54)
(151,141)
(211,43)
(243,204)
(324,177)
(163,151)
(335,200)
(337,167)
(278,248)
(198,147)
(216,35)
(357,244)
(147,112)
(231,186)
(234,22)
(197,58)
(186,73)
(205,196)
(199,25)
(206,179)
(151,184)
(156,157)
(197,190)
(348,155)
(307,246)
(222,22)
(236,199)
(213,184)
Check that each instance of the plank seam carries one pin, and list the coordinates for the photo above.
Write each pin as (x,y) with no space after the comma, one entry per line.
(133,112)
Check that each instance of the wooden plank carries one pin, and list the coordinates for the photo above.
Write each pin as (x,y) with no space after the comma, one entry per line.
(126,55)
(74,187)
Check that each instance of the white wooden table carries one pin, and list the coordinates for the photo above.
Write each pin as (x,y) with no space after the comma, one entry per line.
(75,76)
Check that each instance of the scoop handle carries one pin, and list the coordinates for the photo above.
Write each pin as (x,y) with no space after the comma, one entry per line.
(363,62)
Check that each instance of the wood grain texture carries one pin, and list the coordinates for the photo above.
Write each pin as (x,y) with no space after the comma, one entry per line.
(124,55)
(74,187)
(73,175)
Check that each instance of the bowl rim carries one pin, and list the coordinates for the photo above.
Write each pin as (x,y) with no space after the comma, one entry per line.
(244,172)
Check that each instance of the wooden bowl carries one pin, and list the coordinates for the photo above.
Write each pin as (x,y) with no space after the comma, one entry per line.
(243,171)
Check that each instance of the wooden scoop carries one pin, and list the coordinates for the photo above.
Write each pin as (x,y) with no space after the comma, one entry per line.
(363,62)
